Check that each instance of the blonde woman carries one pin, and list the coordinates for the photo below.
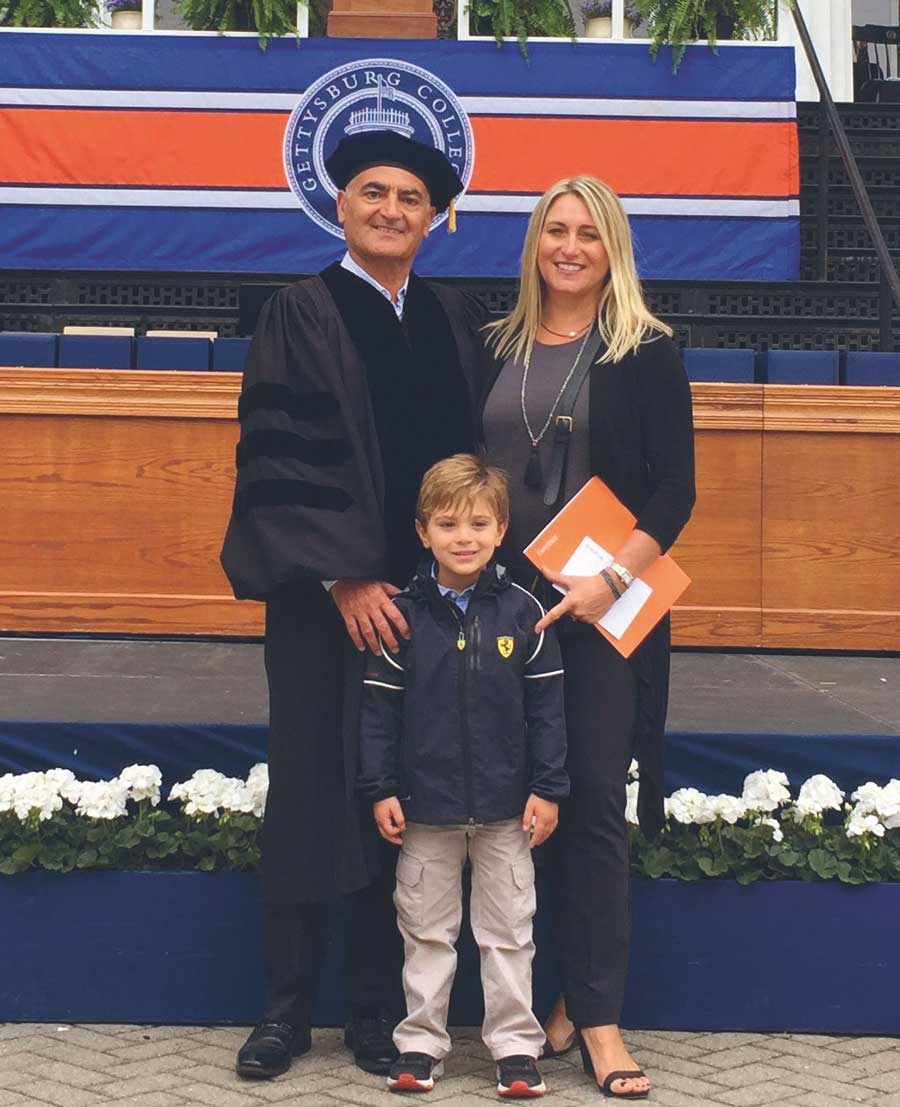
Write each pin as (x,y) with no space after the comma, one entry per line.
(632,427)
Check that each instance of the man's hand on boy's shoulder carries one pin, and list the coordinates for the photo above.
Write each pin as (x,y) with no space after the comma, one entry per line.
(541,817)
(368,611)
(390,820)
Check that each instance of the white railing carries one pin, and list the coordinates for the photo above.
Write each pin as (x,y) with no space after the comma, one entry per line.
(829,23)
(148,20)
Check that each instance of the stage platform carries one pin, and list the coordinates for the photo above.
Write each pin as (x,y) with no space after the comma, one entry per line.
(130,680)
(96,705)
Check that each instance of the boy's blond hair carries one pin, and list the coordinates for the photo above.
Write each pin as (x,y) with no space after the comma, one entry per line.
(459,480)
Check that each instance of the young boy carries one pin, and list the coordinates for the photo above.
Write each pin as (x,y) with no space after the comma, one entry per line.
(462,755)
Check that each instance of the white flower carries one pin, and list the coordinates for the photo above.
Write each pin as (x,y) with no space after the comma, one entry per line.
(884,802)
(631,799)
(777,833)
(7,791)
(65,782)
(859,824)
(33,793)
(258,787)
(727,808)
(208,792)
(143,782)
(687,806)
(887,806)
(102,799)
(766,790)
(817,794)
(866,797)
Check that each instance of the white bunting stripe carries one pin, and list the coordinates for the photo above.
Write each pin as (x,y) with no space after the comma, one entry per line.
(560,106)
(479,203)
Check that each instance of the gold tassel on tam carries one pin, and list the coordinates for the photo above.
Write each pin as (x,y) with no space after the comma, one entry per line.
(451,218)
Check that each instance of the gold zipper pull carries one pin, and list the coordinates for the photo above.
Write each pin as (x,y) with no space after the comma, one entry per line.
(461,640)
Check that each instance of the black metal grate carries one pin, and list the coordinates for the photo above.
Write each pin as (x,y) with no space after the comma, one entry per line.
(849,235)
(855,117)
(884,144)
(842,203)
(875,172)
(35,290)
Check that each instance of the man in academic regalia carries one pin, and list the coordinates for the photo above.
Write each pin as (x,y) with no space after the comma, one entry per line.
(357,380)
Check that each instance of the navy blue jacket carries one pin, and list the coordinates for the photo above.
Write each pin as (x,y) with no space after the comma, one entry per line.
(467,719)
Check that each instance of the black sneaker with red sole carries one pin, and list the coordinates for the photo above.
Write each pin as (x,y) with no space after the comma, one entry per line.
(518,1078)
(414,1072)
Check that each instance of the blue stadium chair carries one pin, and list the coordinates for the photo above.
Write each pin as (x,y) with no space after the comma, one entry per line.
(803,367)
(24,348)
(90,351)
(732,366)
(186,354)
(872,368)
(228,354)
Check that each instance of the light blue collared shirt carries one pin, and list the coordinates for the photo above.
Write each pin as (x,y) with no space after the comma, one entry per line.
(350,265)
(461,599)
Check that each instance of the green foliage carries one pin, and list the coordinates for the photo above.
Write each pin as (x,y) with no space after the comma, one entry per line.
(268,17)
(165,838)
(153,838)
(521,18)
(675,23)
(48,13)
(749,853)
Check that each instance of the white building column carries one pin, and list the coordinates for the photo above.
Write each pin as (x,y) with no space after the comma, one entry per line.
(830,27)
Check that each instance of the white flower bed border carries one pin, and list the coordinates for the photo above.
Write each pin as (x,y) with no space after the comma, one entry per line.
(765,800)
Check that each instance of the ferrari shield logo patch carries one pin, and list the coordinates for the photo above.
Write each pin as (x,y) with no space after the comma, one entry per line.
(505,645)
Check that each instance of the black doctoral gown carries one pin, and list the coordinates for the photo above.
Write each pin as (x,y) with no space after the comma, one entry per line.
(342,409)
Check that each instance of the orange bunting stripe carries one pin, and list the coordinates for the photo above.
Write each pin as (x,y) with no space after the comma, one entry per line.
(239,149)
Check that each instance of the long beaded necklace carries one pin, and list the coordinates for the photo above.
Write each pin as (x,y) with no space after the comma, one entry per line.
(534,477)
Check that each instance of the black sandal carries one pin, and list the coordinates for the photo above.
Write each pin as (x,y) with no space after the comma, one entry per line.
(548,1053)
(620,1074)
(631,1074)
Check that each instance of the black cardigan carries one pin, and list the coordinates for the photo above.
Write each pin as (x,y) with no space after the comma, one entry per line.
(642,447)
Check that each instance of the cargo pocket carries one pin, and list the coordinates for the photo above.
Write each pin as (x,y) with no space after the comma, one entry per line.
(525,897)
(409,892)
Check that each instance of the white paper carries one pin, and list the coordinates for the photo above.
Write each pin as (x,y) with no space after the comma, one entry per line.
(587,560)
(623,612)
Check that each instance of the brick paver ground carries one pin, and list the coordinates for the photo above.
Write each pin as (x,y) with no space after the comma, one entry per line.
(162,1066)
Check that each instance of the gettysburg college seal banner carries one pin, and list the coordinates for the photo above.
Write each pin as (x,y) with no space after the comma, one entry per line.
(205,154)
(374,94)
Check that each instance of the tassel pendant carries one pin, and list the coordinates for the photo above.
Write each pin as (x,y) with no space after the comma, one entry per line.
(534,476)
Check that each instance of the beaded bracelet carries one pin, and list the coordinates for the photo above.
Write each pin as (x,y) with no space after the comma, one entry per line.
(611,583)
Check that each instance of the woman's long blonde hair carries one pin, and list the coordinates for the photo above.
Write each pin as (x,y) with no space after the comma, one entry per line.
(623,318)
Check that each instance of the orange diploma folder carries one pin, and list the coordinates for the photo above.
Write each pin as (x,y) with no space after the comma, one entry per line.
(580,541)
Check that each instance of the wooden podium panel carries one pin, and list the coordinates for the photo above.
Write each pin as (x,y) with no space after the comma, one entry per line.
(831,518)
(719,548)
(115,489)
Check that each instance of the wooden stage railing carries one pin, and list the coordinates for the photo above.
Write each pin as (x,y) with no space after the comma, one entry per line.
(115,489)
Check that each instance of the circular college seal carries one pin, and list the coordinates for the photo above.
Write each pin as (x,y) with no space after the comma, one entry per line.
(374,94)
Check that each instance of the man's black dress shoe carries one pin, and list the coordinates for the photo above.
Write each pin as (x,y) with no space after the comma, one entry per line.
(270,1049)
(371,1039)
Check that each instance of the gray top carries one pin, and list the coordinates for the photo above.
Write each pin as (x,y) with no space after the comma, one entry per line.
(509,446)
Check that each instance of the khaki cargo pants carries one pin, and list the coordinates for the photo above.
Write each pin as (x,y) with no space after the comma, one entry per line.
(428,898)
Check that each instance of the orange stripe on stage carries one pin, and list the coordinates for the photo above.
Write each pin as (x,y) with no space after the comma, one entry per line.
(76,146)
(83,146)
(637,157)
